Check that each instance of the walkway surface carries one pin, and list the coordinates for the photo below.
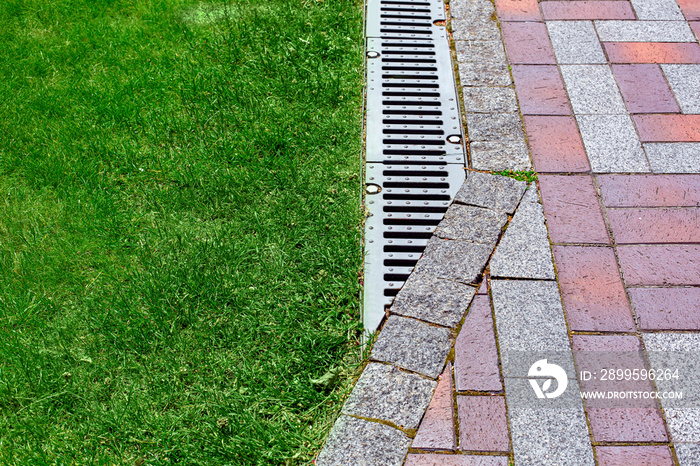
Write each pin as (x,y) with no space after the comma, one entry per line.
(586,281)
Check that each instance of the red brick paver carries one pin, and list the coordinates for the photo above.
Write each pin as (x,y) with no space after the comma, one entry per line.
(455,460)
(483,425)
(657,225)
(695,26)
(642,455)
(668,128)
(650,190)
(572,209)
(528,43)
(594,299)
(666,308)
(541,90)
(691,9)
(556,144)
(652,52)
(437,431)
(518,10)
(596,9)
(660,264)
(645,89)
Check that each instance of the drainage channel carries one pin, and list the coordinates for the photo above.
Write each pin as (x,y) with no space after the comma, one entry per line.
(415,158)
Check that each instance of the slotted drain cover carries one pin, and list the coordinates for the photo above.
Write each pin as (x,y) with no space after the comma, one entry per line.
(414,153)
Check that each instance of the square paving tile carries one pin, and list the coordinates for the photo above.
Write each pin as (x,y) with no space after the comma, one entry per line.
(518,10)
(483,423)
(540,90)
(593,90)
(556,144)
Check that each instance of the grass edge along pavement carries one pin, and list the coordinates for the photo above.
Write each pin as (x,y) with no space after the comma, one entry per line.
(179,229)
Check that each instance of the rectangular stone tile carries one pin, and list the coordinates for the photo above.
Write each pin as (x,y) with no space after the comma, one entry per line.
(650,190)
(687,453)
(475,30)
(494,192)
(612,144)
(471,223)
(640,455)
(436,459)
(483,423)
(413,345)
(695,26)
(575,42)
(484,52)
(460,261)
(390,394)
(660,264)
(471,9)
(685,84)
(668,127)
(497,156)
(484,74)
(528,44)
(529,316)
(495,127)
(657,10)
(356,441)
(652,52)
(594,298)
(595,9)
(691,9)
(489,100)
(572,210)
(540,90)
(666,308)
(644,31)
(518,10)
(655,225)
(476,354)
(437,430)
(675,157)
(644,89)
(556,144)
(592,90)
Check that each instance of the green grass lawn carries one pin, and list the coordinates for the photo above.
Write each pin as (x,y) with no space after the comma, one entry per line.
(179,228)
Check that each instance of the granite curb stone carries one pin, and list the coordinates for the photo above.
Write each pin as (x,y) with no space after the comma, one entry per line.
(496,155)
(472,224)
(495,192)
(460,261)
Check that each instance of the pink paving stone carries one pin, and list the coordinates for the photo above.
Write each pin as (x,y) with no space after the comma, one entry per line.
(627,424)
(562,10)
(668,127)
(518,10)
(666,308)
(540,90)
(528,43)
(484,288)
(592,292)
(650,190)
(572,210)
(483,424)
(436,459)
(691,9)
(555,144)
(695,26)
(642,455)
(660,264)
(655,225)
(652,52)
(476,354)
(645,89)
(437,430)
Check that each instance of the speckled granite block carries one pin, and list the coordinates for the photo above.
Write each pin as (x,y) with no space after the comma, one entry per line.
(471,223)
(454,260)
(495,192)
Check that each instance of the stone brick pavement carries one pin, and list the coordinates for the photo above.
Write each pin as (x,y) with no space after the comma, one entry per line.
(599,264)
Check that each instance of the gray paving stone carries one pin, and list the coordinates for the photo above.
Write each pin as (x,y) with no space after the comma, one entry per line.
(490,100)
(592,90)
(495,192)
(388,393)
(612,144)
(657,10)
(575,42)
(454,260)
(484,74)
(480,51)
(473,224)
(413,345)
(683,423)
(674,157)
(688,453)
(644,31)
(471,9)
(356,441)
(529,315)
(524,250)
(475,30)
(497,156)
(495,127)
(685,84)
(433,300)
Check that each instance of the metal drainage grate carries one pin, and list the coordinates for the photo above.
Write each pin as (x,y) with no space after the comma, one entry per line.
(414,156)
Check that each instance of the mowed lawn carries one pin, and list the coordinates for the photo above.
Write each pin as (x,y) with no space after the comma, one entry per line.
(180,228)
